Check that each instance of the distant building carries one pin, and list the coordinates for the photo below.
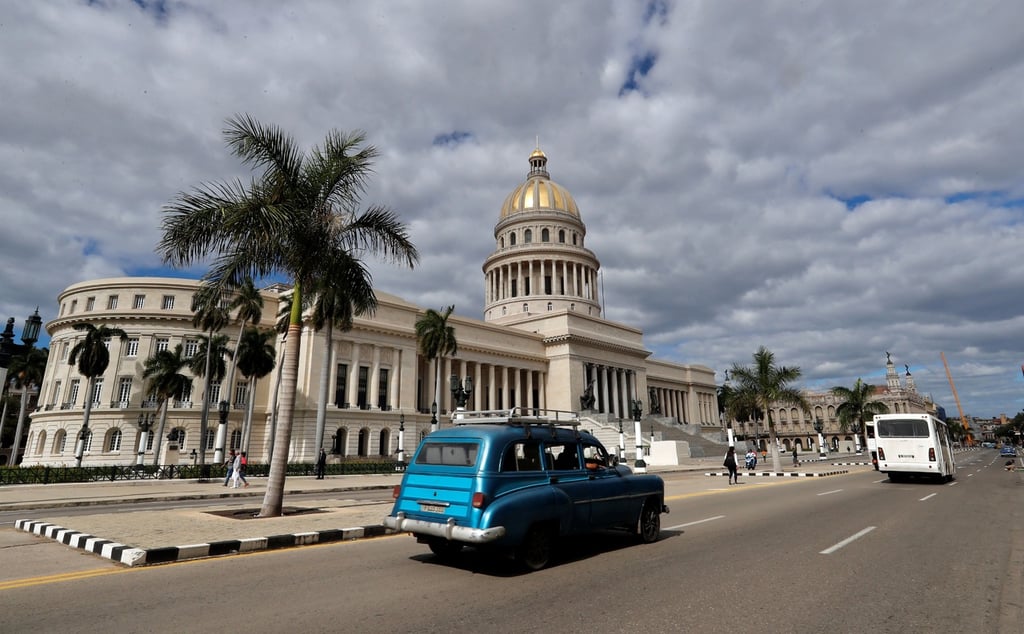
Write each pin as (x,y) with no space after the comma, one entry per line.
(795,427)
(543,343)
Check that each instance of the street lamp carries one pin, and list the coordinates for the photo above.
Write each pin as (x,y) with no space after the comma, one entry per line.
(433,417)
(819,427)
(194,455)
(222,432)
(640,466)
(622,443)
(29,336)
(460,393)
(145,423)
(401,443)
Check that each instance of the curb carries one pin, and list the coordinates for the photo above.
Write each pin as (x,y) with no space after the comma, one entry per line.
(772,474)
(131,556)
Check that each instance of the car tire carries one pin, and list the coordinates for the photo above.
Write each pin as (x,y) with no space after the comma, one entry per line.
(444,547)
(535,551)
(649,525)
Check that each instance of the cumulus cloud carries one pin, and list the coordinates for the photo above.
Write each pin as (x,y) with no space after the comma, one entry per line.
(829,180)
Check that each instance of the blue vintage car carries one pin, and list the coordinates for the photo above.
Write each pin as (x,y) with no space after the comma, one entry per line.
(514,482)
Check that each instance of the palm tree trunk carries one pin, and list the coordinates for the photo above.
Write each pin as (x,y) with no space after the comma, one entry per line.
(20,426)
(80,445)
(204,418)
(437,390)
(321,401)
(247,421)
(160,434)
(273,500)
(274,400)
(3,418)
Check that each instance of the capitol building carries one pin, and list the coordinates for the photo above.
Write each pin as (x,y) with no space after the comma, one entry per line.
(542,343)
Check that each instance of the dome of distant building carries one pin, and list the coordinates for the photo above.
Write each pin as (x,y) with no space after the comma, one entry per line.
(539,192)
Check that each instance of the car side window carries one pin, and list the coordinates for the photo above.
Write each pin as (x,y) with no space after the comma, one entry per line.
(562,456)
(522,455)
(594,457)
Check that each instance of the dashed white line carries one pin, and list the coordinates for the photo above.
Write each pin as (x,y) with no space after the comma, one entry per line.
(851,538)
(707,519)
(830,492)
(930,495)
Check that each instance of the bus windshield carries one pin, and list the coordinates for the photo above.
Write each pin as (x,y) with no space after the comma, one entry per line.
(908,428)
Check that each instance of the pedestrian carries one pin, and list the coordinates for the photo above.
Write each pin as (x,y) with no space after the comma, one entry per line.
(244,466)
(321,465)
(764,455)
(795,462)
(236,470)
(751,459)
(730,464)
(230,464)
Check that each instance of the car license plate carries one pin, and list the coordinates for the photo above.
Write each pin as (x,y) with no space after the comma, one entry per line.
(431,508)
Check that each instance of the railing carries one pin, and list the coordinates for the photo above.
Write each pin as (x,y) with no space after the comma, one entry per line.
(57,475)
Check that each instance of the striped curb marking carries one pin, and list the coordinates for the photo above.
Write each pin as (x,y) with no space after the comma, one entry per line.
(131,556)
(772,474)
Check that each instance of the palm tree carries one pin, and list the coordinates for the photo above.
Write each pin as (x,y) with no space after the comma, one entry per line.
(290,220)
(92,357)
(856,406)
(347,293)
(166,381)
(209,314)
(437,340)
(254,357)
(249,302)
(27,370)
(760,386)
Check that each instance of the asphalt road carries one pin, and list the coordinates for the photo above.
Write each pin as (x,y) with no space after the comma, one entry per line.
(850,553)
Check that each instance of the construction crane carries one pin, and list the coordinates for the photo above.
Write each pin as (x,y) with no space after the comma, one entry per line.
(963,421)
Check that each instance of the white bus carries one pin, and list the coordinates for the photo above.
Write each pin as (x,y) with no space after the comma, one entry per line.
(913,445)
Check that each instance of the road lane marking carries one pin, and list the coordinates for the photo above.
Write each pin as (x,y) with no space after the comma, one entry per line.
(707,519)
(830,492)
(931,495)
(848,540)
(882,480)
(67,576)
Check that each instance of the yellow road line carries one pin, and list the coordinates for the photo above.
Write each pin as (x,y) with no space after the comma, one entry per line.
(67,576)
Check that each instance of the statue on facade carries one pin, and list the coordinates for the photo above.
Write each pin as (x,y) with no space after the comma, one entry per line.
(908,368)
(587,400)
(888,357)
(655,405)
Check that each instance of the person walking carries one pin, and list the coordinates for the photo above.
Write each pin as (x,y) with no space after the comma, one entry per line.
(230,464)
(243,467)
(730,464)
(236,470)
(751,459)
(796,463)
(321,465)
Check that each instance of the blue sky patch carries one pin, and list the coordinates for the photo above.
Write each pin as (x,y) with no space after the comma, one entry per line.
(639,66)
(452,139)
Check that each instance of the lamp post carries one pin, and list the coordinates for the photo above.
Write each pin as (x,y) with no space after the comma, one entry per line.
(194,456)
(145,423)
(460,393)
(222,432)
(622,443)
(433,417)
(819,427)
(29,336)
(640,466)
(401,443)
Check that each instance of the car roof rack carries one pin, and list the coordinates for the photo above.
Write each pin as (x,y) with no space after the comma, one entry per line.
(523,416)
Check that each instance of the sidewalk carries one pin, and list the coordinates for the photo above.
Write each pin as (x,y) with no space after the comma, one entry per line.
(159,536)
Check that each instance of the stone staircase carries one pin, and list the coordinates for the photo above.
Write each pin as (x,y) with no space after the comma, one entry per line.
(698,440)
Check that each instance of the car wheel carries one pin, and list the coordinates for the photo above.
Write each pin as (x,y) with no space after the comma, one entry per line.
(535,551)
(444,547)
(649,526)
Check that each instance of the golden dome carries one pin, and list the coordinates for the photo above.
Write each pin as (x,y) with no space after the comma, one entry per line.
(539,192)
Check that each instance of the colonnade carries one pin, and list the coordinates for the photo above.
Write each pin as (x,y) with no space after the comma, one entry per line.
(494,386)
(614,389)
(531,279)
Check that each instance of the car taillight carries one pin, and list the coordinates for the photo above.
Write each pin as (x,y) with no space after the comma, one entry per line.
(881,453)
(931,454)
(479,499)
(396,491)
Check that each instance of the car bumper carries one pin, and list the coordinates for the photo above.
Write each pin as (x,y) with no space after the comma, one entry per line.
(448,530)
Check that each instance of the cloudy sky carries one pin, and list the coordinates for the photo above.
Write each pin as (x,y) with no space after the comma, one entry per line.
(829,180)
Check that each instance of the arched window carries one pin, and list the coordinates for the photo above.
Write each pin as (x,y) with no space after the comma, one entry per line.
(512,239)
(573,239)
(364,442)
(561,236)
(501,242)
(236,439)
(178,435)
(114,440)
(545,235)
(504,310)
(340,442)
(528,236)
(60,441)
(87,442)
(550,306)
(41,443)
(383,441)
(526,308)
(572,306)
(211,439)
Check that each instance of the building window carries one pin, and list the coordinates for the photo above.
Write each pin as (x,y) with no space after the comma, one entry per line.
(511,241)
(550,307)
(191,348)
(186,393)
(167,303)
(73,393)
(382,389)
(138,301)
(545,235)
(339,385)
(526,308)
(150,437)
(55,396)
(236,439)
(361,394)
(97,387)
(124,391)
(90,303)
(112,302)
(114,440)
(573,239)
(528,236)
(162,344)
(241,395)
(64,351)
(561,236)
(74,305)
(215,392)
(211,437)
(87,442)
(60,442)
(131,347)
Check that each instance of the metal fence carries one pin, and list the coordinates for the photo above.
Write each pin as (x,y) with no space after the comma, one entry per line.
(56,475)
